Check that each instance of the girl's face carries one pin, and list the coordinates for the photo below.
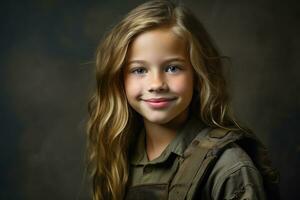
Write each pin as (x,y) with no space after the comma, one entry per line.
(158,76)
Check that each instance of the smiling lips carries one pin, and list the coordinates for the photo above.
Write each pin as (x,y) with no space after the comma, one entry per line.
(159,102)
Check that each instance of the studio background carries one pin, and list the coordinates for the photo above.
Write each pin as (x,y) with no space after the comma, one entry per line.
(46,76)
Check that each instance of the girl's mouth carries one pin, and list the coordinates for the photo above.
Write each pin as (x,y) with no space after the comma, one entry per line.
(159,103)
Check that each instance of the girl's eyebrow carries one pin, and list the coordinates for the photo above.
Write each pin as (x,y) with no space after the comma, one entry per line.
(164,62)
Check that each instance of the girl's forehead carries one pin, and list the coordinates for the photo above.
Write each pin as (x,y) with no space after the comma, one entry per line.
(156,44)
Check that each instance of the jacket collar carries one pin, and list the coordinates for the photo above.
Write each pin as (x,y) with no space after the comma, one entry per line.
(177,146)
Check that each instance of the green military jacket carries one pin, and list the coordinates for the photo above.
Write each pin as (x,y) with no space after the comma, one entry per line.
(234,175)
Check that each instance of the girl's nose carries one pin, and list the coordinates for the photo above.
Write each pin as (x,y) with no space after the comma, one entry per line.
(157,83)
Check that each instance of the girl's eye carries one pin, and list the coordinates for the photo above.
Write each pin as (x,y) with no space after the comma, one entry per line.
(139,71)
(172,69)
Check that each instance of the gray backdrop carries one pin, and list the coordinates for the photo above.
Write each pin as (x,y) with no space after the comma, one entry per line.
(46,73)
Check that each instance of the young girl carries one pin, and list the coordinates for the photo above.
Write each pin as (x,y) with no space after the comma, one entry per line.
(160,126)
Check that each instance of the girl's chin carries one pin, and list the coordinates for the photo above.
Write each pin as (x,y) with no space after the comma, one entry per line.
(158,120)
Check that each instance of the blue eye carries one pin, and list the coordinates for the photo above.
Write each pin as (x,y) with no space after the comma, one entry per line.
(172,69)
(139,71)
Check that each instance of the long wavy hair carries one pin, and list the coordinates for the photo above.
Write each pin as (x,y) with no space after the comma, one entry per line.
(112,122)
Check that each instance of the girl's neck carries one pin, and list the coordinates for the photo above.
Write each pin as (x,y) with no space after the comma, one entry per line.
(159,136)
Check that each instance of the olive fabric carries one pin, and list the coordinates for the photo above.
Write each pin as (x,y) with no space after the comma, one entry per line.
(234,175)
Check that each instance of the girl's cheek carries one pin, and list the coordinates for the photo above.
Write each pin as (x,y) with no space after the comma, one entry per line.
(182,85)
(132,87)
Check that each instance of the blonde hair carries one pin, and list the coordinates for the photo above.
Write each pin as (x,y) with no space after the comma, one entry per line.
(112,122)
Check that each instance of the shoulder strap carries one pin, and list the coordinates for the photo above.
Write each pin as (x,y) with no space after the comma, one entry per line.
(200,156)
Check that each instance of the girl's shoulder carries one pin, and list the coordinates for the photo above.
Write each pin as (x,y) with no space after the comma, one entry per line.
(234,176)
(242,169)
(233,163)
